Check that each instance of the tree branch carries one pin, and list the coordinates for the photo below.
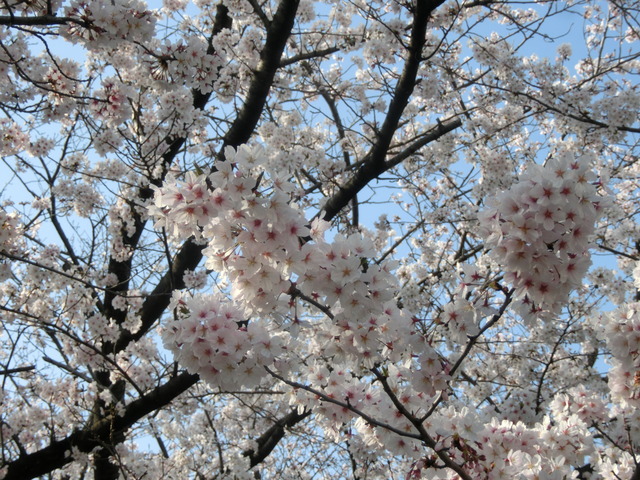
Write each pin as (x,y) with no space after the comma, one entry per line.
(41,20)
(309,55)
(11,371)
(270,438)
(277,35)
(374,162)
(430,136)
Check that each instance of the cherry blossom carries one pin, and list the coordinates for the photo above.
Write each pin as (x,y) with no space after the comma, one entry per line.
(539,229)
(295,239)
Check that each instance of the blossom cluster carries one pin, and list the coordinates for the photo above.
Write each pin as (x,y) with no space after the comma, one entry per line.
(412,372)
(14,140)
(587,405)
(539,229)
(11,230)
(213,337)
(106,22)
(547,450)
(491,448)
(459,316)
(622,334)
(111,103)
(273,258)
(187,63)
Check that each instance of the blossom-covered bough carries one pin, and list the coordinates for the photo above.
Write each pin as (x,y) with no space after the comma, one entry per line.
(297,239)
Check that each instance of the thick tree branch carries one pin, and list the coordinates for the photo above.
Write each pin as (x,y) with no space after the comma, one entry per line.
(407,81)
(155,304)
(374,162)
(432,135)
(333,108)
(11,371)
(309,55)
(277,35)
(270,438)
(39,21)
(122,269)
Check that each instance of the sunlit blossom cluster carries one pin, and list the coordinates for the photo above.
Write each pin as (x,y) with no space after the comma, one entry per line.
(11,229)
(589,406)
(110,22)
(271,256)
(188,63)
(622,333)
(111,103)
(460,318)
(502,449)
(14,139)
(214,338)
(540,229)
(546,450)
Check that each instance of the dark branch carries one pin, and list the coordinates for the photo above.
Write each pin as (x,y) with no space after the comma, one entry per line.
(155,304)
(11,371)
(374,162)
(270,438)
(190,255)
(432,135)
(277,35)
(41,21)
(309,55)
